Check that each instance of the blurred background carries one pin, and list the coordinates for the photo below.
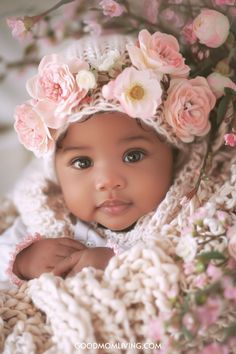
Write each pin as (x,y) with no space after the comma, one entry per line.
(13,157)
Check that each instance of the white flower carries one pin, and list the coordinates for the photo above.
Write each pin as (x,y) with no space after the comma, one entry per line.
(187,248)
(214,225)
(138,91)
(85,80)
(108,60)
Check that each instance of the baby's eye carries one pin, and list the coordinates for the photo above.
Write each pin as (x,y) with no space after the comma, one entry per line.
(82,163)
(133,156)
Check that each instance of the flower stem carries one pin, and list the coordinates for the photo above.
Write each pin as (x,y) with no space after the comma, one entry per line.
(55,7)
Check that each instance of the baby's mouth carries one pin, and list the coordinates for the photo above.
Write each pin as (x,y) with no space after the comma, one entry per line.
(114,206)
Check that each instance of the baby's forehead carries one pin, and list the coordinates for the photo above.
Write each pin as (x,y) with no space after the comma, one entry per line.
(108,126)
(113,123)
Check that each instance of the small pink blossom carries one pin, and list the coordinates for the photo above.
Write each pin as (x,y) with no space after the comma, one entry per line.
(229,288)
(200,281)
(159,52)
(215,348)
(224,2)
(222,216)
(188,33)
(211,28)
(189,267)
(32,131)
(208,313)
(111,8)
(156,329)
(20,27)
(214,272)
(138,92)
(150,9)
(187,107)
(230,139)
(172,16)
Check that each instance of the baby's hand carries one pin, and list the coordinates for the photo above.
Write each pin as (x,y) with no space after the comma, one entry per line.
(43,255)
(89,257)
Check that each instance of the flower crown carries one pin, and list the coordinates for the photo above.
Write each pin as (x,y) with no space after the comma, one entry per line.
(149,77)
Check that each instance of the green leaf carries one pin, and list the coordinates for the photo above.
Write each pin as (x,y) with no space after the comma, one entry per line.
(230,91)
(222,109)
(207,256)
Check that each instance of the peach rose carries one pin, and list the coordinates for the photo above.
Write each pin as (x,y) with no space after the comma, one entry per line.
(211,28)
(55,88)
(218,82)
(159,52)
(32,131)
(187,107)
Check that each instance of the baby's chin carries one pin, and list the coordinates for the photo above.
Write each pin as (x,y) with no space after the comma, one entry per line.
(119,229)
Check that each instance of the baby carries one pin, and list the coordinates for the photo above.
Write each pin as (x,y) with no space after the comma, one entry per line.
(117,175)
(100,121)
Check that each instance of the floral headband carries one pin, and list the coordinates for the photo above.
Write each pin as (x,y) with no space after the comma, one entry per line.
(148,80)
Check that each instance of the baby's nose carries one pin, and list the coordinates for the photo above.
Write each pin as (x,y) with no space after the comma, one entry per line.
(109,179)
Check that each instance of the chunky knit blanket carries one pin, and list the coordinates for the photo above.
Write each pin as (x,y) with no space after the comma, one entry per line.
(115,310)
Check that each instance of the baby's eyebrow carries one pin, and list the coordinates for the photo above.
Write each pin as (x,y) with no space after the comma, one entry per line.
(76,148)
(134,138)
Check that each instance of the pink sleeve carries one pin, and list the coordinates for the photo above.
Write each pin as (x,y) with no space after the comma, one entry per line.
(19,247)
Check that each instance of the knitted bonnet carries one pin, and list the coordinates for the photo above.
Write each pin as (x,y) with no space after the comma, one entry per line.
(141,77)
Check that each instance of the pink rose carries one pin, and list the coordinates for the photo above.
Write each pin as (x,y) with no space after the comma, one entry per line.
(224,2)
(230,139)
(218,82)
(159,52)
(111,8)
(211,28)
(187,107)
(138,92)
(56,89)
(32,131)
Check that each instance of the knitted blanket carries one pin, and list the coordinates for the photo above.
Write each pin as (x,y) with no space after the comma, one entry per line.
(115,311)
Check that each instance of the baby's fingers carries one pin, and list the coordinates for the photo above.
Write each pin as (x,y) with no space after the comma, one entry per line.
(64,266)
(70,242)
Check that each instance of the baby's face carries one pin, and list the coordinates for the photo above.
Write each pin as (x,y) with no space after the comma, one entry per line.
(112,170)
